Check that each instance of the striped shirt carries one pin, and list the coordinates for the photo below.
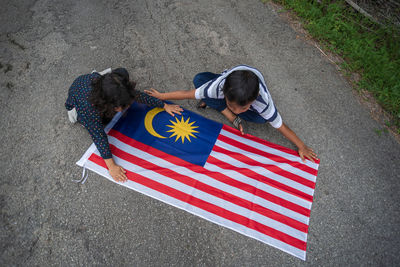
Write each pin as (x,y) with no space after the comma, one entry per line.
(263,105)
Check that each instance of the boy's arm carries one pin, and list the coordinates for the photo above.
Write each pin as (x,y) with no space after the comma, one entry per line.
(175,95)
(304,151)
(231,117)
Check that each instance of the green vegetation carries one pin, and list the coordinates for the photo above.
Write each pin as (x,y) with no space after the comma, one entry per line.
(368,48)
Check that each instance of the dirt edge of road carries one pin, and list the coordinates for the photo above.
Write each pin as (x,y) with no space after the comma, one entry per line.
(365,97)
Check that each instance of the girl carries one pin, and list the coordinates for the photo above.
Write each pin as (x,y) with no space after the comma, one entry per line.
(94,99)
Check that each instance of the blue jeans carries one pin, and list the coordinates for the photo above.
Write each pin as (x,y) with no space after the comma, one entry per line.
(220,104)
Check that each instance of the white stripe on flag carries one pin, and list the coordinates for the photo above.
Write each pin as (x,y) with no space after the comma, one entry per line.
(265,160)
(272,190)
(271,150)
(263,172)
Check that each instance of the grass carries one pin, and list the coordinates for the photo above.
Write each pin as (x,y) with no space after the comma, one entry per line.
(368,48)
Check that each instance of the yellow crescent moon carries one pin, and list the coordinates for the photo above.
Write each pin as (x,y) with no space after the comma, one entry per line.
(148,122)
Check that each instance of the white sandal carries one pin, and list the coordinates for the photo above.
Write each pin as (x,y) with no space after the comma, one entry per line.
(72,115)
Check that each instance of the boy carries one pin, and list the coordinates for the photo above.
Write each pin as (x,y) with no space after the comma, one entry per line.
(238,93)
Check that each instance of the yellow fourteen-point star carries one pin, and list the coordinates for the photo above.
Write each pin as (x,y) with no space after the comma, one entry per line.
(182,129)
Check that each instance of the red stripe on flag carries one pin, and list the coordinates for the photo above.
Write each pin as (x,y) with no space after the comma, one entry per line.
(216,175)
(209,207)
(259,140)
(270,167)
(273,157)
(261,178)
(209,189)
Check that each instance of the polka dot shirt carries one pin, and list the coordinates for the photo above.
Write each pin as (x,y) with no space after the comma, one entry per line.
(88,116)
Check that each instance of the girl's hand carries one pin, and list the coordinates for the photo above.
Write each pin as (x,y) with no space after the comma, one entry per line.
(117,173)
(171,109)
(153,92)
(306,152)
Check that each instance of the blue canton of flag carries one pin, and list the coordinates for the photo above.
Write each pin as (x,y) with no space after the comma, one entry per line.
(189,137)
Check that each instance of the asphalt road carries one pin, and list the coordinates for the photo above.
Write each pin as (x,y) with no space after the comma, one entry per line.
(48,220)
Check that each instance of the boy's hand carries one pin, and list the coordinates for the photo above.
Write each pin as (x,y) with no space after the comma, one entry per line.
(237,122)
(241,129)
(306,152)
(171,109)
(234,119)
(153,92)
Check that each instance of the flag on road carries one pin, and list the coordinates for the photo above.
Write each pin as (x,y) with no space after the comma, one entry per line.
(244,183)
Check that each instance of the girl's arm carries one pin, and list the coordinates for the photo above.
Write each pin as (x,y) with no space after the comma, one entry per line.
(117,172)
(99,137)
(175,95)
(152,101)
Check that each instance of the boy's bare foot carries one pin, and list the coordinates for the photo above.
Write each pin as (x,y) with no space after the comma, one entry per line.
(201,104)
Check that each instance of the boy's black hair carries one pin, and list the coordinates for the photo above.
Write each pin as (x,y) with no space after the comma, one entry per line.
(241,87)
(111,91)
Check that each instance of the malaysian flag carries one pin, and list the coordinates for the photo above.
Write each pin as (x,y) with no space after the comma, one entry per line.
(244,183)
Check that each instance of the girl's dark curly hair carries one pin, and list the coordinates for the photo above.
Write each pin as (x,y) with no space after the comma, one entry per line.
(110,91)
